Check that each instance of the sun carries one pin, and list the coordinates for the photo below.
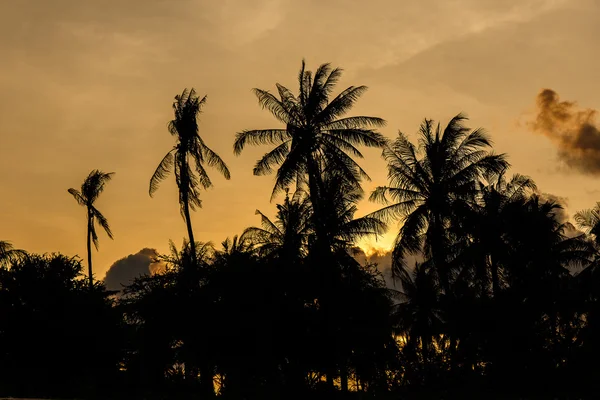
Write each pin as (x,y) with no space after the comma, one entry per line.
(382,245)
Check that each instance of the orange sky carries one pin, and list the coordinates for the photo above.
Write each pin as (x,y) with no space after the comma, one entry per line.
(89,84)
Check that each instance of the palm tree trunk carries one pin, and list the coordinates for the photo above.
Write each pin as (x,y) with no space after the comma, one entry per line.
(315,186)
(188,222)
(344,377)
(89,250)
(191,369)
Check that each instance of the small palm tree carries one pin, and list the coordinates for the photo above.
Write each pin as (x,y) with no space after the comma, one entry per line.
(189,153)
(9,254)
(315,136)
(91,188)
(432,183)
(287,236)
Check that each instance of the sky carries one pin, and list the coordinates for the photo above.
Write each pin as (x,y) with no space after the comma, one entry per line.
(89,84)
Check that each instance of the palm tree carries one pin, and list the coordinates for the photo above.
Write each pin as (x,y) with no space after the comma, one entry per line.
(589,220)
(315,137)
(419,315)
(91,189)
(8,253)
(288,235)
(497,199)
(189,153)
(341,198)
(429,185)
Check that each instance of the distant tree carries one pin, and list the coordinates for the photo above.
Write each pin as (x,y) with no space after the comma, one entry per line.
(189,153)
(91,189)
(315,137)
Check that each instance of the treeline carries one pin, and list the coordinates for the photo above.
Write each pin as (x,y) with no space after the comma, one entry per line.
(503,299)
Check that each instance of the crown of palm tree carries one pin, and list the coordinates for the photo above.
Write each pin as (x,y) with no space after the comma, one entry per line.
(190,176)
(91,189)
(589,220)
(314,131)
(9,254)
(288,234)
(431,183)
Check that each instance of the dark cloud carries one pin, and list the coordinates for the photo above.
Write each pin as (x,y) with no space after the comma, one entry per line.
(574,131)
(123,271)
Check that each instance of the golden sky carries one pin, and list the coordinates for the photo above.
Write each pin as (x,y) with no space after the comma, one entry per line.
(89,84)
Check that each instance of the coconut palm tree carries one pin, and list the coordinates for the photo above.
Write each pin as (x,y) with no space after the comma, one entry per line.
(91,189)
(315,137)
(419,315)
(589,221)
(8,253)
(430,184)
(188,154)
(285,237)
(489,244)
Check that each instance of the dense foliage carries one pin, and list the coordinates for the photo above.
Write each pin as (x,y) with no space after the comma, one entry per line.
(504,297)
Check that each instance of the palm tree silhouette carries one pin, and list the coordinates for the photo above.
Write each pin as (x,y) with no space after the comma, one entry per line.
(91,189)
(9,254)
(429,185)
(315,137)
(498,199)
(286,236)
(190,151)
(589,220)
(419,315)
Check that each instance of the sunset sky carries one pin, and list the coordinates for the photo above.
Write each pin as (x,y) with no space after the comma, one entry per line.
(89,84)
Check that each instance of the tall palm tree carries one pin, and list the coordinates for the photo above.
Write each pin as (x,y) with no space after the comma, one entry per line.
(8,253)
(315,137)
(430,184)
(189,153)
(91,189)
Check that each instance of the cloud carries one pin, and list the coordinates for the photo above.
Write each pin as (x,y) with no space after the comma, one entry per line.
(562,214)
(572,129)
(383,259)
(123,271)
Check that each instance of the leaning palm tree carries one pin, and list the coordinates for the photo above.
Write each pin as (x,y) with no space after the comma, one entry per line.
(91,188)
(189,153)
(9,254)
(315,137)
(430,185)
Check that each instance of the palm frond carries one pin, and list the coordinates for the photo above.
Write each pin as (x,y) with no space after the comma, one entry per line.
(259,137)
(102,221)
(162,171)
